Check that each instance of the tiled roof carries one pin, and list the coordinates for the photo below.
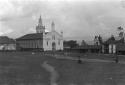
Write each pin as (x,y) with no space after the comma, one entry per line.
(31,36)
(111,41)
(6,40)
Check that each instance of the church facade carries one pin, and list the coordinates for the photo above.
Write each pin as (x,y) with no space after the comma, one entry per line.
(42,40)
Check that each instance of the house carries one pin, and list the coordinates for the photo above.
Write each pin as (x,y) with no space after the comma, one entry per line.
(41,40)
(7,43)
(113,46)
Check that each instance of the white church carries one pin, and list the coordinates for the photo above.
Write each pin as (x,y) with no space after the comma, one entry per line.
(43,40)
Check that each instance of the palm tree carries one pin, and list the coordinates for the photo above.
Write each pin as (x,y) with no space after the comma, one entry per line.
(121,32)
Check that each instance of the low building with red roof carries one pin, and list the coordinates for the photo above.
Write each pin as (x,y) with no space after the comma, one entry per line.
(113,46)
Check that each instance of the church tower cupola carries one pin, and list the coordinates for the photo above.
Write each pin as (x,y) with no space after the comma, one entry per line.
(40,21)
(53,26)
(40,28)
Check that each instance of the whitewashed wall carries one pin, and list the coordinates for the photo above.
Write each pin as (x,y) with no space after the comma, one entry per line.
(58,38)
(114,48)
(110,48)
(8,47)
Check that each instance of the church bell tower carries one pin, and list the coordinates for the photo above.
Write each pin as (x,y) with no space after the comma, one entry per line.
(52,26)
(40,28)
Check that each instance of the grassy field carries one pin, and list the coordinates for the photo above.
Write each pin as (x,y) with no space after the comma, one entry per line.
(25,69)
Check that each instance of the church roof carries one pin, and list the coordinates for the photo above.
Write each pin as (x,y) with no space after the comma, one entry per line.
(6,40)
(31,36)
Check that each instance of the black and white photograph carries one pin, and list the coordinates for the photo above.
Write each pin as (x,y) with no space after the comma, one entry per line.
(62,42)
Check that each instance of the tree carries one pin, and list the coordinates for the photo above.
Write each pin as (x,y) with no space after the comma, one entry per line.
(100,39)
(120,28)
(121,32)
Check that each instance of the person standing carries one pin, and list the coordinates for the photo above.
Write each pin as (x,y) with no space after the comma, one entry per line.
(79,60)
(116,59)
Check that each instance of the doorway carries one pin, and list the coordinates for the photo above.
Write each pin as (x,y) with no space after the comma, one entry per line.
(53,46)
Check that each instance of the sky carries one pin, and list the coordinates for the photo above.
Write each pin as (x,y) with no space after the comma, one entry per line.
(78,19)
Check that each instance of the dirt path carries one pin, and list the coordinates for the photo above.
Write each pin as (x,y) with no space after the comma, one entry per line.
(54,75)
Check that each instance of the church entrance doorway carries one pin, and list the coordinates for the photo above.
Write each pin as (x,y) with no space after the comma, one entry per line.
(53,46)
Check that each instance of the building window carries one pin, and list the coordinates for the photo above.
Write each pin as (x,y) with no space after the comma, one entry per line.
(47,43)
(35,44)
(54,37)
(59,42)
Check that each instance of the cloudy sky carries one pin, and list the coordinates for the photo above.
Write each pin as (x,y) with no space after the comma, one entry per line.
(78,19)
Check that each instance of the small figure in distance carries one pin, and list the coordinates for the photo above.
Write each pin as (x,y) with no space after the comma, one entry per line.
(33,53)
(79,60)
(116,59)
